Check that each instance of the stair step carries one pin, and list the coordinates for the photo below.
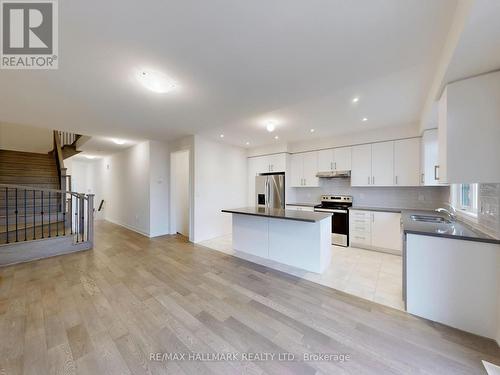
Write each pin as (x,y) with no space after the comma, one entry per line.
(29,224)
(35,233)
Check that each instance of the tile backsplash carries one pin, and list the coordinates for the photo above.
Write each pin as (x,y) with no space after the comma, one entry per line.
(489,208)
(424,197)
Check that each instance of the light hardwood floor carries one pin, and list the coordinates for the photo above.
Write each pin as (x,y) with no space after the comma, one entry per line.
(104,311)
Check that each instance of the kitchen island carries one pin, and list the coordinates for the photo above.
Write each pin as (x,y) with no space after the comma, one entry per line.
(296,238)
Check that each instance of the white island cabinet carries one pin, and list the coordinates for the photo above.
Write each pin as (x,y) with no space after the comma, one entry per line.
(296,238)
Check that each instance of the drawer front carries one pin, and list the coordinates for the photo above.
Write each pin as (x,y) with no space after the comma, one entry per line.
(360,238)
(359,226)
(355,214)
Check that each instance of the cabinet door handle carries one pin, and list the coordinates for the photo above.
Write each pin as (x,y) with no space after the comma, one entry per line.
(422,178)
(368,180)
(396,180)
(305,182)
(436,167)
(335,165)
(373,217)
(373,180)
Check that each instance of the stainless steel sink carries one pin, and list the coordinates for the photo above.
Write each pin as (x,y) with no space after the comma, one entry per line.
(430,219)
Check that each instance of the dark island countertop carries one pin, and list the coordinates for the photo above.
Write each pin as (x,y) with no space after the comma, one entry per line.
(456,230)
(278,213)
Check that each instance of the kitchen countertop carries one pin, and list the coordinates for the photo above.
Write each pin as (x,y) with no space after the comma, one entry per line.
(456,230)
(278,213)
(303,204)
(380,209)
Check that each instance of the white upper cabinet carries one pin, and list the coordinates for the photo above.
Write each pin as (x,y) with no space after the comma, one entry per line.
(361,174)
(336,159)
(469,130)
(277,162)
(303,169)
(407,162)
(383,163)
(342,158)
(269,163)
(296,170)
(310,169)
(325,160)
(429,158)
(392,163)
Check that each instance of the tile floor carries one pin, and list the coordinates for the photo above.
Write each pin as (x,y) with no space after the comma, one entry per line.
(367,274)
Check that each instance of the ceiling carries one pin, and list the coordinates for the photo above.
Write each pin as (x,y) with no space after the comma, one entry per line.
(238,64)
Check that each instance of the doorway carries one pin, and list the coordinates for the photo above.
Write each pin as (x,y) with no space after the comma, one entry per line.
(179,193)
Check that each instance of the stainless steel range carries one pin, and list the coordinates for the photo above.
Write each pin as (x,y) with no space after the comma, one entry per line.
(338,205)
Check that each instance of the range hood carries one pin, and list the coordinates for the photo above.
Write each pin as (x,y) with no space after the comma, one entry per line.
(334,174)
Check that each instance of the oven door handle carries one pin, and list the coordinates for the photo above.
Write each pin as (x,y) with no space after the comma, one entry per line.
(330,211)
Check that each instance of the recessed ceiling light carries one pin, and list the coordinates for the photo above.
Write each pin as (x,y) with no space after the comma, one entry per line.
(312,130)
(270,127)
(364,119)
(276,137)
(247,143)
(355,99)
(222,135)
(119,141)
(156,81)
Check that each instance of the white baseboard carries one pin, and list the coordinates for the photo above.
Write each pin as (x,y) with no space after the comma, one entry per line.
(128,227)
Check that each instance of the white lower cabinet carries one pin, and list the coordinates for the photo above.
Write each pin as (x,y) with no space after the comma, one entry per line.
(376,230)
(454,282)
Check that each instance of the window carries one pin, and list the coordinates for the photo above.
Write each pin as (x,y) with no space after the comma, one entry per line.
(465,197)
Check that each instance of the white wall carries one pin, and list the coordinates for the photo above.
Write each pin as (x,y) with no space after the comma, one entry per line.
(126,187)
(179,198)
(159,188)
(86,178)
(187,144)
(25,138)
(220,181)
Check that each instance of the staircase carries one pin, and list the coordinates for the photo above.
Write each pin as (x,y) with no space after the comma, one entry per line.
(38,216)
(29,169)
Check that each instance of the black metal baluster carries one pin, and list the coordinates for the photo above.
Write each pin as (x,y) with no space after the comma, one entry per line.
(50,215)
(16,212)
(41,210)
(34,217)
(64,214)
(58,199)
(82,214)
(77,224)
(7,214)
(25,225)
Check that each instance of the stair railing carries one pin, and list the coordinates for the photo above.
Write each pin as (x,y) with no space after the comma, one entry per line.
(67,138)
(29,213)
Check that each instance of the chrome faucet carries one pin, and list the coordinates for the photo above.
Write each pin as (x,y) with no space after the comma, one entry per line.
(452,213)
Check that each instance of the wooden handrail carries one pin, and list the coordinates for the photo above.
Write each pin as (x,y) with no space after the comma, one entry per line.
(58,150)
(33,188)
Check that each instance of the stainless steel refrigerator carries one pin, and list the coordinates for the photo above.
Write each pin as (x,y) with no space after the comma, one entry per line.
(270,190)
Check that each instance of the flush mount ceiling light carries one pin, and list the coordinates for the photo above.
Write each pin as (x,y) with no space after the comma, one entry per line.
(364,119)
(270,126)
(276,137)
(312,130)
(355,99)
(222,135)
(247,143)
(156,81)
(90,156)
(119,141)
